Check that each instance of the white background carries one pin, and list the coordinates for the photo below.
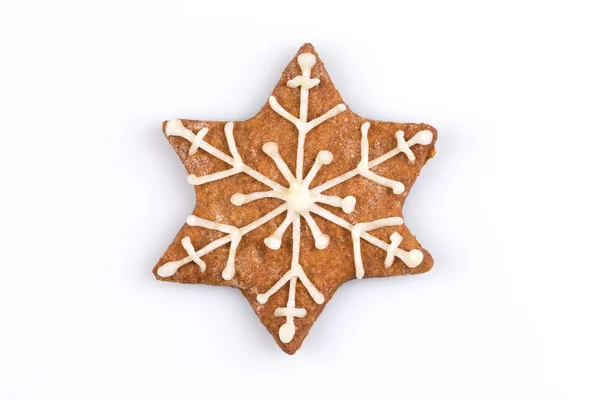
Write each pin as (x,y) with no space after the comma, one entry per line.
(92,194)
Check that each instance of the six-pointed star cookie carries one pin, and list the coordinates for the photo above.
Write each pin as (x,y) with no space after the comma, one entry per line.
(297,200)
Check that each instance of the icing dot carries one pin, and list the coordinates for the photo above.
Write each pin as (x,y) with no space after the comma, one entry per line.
(298,197)
(423,137)
(238,199)
(325,157)
(322,242)
(287,331)
(228,273)
(319,298)
(414,258)
(306,60)
(397,187)
(168,269)
(270,148)
(173,127)
(273,243)
(262,299)
(191,179)
(348,204)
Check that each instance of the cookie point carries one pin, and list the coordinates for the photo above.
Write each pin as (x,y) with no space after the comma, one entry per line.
(306,47)
(287,332)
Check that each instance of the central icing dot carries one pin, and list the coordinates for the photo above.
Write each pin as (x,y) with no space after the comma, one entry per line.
(298,197)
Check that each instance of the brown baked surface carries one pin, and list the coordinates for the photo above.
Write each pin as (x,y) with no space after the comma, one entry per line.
(258,267)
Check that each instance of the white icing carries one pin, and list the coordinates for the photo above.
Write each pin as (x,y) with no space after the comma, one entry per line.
(233,232)
(303,82)
(347,204)
(321,240)
(411,258)
(239,199)
(362,227)
(422,137)
(171,268)
(298,197)
(271,149)
(306,62)
(186,242)
(174,127)
(395,240)
(300,200)
(303,126)
(323,158)
(274,241)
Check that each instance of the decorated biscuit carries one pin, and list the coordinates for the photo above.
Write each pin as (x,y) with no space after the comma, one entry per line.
(297,200)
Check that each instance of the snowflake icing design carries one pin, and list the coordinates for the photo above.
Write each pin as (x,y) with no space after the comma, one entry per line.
(300,200)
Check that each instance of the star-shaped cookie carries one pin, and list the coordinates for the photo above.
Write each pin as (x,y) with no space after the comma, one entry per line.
(297,200)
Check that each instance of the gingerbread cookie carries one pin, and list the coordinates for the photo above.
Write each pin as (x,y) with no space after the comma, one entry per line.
(297,200)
